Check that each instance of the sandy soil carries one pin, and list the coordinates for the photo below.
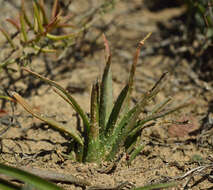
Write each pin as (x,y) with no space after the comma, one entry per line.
(173,143)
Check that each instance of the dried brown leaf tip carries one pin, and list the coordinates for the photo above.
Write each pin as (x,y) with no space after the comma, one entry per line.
(107,49)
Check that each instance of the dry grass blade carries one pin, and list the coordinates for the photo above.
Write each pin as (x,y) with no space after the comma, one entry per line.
(157,186)
(55,9)
(62,95)
(160,82)
(140,123)
(135,61)
(72,132)
(132,73)
(14,23)
(160,106)
(7,36)
(74,103)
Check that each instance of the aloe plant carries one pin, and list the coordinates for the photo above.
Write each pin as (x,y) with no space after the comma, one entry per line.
(111,126)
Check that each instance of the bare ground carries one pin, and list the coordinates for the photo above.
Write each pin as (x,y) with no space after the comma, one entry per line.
(174,145)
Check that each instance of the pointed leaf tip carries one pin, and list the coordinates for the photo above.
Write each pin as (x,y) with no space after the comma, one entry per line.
(107,49)
(55,9)
(146,37)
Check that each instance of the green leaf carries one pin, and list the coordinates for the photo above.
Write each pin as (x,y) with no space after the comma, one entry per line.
(42,9)
(37,16)
(116,110)
(45,50)
(63,37)
(94,129)
(29,178)
(23,27)
(72,132)
(129,120)
(65,94)
(135,152)
(106,98)
(80,153)
(138,109)
(6,98)
(69,36)
(139,125)
(115,141)
(93,151)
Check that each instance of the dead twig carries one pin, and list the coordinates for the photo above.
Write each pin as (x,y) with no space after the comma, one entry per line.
(55,176)
(116,187)
(194,171)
